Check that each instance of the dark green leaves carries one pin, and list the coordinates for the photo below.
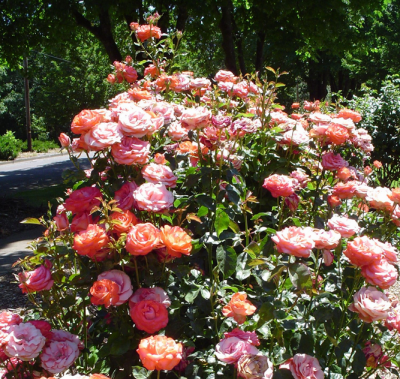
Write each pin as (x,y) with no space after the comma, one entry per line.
(226,259)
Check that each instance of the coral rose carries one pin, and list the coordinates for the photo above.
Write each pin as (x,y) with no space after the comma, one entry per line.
(347,227)
(83,199)
(102,135)
(255,367)
(58,356)
(122,280)
(91,241)
(142,238)
(380,273)
(136,123)
(176,241)
(153,197)
(346,190)
(65,141)
(61,221)
(326,239)
(239,307)
(105,292)
(123,221)
(337,134)
(280,185)
(176,131)
(229,350)
(85,120)
(24,341)
(145,32)
(149,315)
(379,198)
(156,294)
(363,251)
(159,174)
(37,280)
(131,151)
(303,366)
(295,241)
(348,113)
(370,304)
(159,353)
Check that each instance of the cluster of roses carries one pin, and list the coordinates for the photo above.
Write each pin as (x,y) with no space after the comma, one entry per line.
(23,342)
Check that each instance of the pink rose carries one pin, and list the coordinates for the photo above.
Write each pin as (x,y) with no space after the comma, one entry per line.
(250,337)
(199,83)
(326,239)
(370,304)
(301,177)
(255,367)
(225,76)
(390,252)
(229,350)
(393,319)
(374,355)
(131,151)
(159,174)
(81,221)
(136,123)
(124,196)
(102,136)
(37,280)
(63,336)
(65,141)
(195,118)
(24,341)
(318,117)
(176,131)
(153,197)
(294,241)
(280,185)
(333,162)
(295,137)
(303,366)
(123,281)
(43,326)
(363,251)
(347,227)
(61,221)
(7,319)
(156,294)
(164,108)
(378,198)
(83,199)
(380,273)
(327,256)
(58,356)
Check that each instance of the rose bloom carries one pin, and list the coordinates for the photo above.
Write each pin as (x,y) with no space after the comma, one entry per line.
(122,280)
(63,335)
(124,196)
(370,304)
(149,315)
(152,70)
(374,355)
(225,76)
(319,118)
(327,256)
(377,164)
(159,174)
(347,227)
(91,241)
(380,273)
(159,353)
(136,123)
(124,221)
(102,136)
(280,185)
(153,197)
(393,320)
(145,32)
(367,170)
(345,190)
(195,118)
(295,241)
(81,221)
(363,251)
(131,151)
(239,307)
(24,341)
(250,337)
(176,131)
(156,294)
(395,195)
(255,367)
(334,201)
(348,113)
(37,280)
(138,94)
(58,356)
(105,292)
(83,199)
(43,326)
(378,198)
(333,162)
(343,174)
(303,366)
(326,239)
(301,177)
(142,239)
(229,350)
(61,221)
(337,134)
(65,141)
(390,252)
(176,241)
(7,319)
(85,120)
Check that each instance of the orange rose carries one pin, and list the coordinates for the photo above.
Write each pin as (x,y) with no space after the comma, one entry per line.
(377,164)
(124,221)
(149,315)
(343,173)
(348,113)
(176,240)
(138,94)
(91,241)
(337,134)
(85,120)
(142,238)
(159,353)
(239,307)
(104,292)
(334,201)
(144,32)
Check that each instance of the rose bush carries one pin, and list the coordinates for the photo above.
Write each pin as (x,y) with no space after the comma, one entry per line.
(216,235)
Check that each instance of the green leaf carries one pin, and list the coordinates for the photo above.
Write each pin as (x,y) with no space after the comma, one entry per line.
(206,201)
(226,259)
(202,211)
(31,220)
(241,272)
(191,295)
(266,313)
(253,249)
(233,194)
(140,372)
(300,275)
(359,361)
(221,221)
(258,261)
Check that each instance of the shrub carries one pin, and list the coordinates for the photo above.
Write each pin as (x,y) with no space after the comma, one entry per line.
(10,147)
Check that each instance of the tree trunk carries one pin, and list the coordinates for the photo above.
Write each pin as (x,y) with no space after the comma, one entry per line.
(259,51)
(228,45)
